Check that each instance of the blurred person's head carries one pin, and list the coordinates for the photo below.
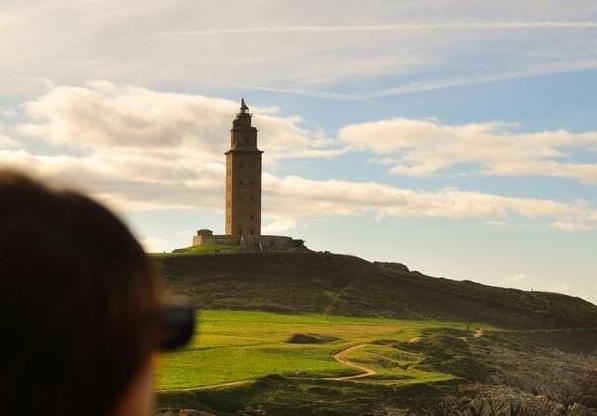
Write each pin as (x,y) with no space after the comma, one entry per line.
(77,306)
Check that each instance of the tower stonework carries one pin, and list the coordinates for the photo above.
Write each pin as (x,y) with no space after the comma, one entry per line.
(243,198)
(243,178)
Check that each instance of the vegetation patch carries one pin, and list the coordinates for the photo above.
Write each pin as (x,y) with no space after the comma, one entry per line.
(448,351)
(311,339)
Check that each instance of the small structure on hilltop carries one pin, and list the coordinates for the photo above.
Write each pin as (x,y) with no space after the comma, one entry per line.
(243,195)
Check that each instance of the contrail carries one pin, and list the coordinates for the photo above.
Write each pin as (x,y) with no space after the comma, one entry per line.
(428,85)
(436,84)
(496,25)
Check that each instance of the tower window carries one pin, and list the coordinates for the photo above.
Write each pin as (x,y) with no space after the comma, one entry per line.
(241,182)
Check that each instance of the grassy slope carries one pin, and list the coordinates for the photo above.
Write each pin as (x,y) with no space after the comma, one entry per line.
(441,362)
(346,285)
(240,345)
(288,379)
(310,288)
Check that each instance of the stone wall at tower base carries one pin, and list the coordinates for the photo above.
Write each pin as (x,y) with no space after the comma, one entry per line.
(272,243)
(203,240)
(250,243)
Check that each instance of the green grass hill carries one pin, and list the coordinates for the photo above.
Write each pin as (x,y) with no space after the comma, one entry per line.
(346,285)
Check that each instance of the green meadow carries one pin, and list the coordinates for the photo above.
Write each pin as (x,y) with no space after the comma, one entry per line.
(238,346)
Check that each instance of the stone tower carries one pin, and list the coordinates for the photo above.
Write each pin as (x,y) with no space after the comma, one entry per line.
(243,178)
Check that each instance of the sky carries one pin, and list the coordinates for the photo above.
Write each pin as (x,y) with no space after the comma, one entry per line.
(456,137)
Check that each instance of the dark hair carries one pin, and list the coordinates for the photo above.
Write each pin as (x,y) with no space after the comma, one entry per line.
(77,300)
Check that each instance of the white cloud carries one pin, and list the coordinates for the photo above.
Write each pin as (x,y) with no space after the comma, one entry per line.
(277,223)
(7,112)
(132,183)
(297,197)
(423,147)
(496,223)
(156,245)
(102,116)
(8,143)
(136,149)
(515,279)
(560,288)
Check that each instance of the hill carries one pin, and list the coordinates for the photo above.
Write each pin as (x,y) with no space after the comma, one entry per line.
(336,335)
(347,285)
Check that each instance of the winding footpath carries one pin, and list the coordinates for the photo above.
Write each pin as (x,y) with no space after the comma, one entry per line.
(341,358)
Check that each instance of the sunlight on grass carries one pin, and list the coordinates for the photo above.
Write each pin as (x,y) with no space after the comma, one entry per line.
(242,345)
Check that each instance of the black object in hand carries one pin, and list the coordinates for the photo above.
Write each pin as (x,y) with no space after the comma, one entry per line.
(176,325)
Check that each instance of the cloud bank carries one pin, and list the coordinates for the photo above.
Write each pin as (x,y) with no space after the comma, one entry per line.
(424,147)
(142,149)
(101,116)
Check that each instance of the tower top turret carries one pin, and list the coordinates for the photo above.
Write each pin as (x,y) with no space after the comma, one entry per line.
(243,107)
(243,119)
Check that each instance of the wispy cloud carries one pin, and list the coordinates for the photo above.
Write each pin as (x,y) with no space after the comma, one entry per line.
(548,68)
(7,112)
(149,42)
(413,26)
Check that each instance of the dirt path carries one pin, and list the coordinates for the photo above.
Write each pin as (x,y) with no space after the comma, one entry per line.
(341,358)
(232,383)
(213,386)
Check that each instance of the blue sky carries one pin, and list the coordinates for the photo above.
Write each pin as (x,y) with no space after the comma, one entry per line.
(457,137)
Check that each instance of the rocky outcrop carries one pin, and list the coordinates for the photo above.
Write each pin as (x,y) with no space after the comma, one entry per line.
(508,401)
(549,373)
(526,379)
(513,403)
